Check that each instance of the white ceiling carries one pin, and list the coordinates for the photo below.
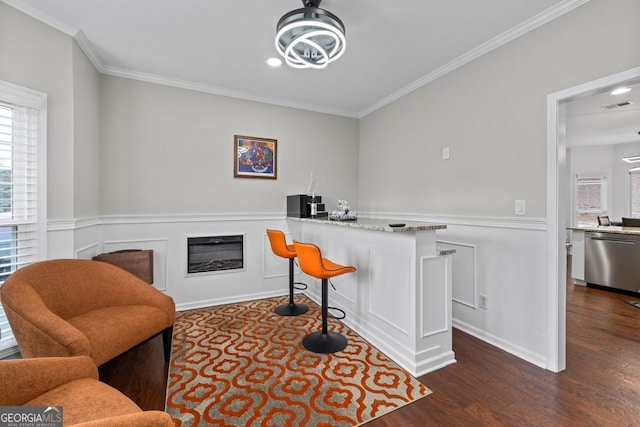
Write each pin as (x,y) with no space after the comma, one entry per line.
(589,124)
(221,47)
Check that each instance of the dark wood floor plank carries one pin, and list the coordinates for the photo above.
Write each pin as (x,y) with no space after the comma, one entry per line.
(487,386)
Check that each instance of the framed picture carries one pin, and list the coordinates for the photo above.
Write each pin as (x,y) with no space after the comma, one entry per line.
(255,157)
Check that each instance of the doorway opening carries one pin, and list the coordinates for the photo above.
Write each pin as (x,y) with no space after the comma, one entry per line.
(558,183)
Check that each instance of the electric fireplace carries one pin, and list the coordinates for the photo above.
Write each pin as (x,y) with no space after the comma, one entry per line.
(215,253)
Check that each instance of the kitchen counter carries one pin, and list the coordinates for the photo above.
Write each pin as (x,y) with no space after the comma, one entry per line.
(615,229)
(400,297)
(376,224)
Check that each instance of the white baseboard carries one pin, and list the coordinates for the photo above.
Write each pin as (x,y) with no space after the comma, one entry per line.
(229,300)
(536,359)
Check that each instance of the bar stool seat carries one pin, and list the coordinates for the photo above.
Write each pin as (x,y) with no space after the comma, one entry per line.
(312,263)
(280,248)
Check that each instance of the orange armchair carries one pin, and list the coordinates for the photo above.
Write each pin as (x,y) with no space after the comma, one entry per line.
(72,382)
(72,307)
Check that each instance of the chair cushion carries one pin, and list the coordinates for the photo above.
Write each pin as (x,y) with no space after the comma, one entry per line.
(103,328)
(86,400)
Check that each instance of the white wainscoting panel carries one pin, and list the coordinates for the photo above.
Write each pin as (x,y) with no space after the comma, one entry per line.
(465,285)
(434,300)
(87,252)
(345,285)
(390,279)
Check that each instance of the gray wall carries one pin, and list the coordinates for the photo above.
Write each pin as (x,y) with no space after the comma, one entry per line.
(492,114)
(38,57)
(86,135)
(170,151)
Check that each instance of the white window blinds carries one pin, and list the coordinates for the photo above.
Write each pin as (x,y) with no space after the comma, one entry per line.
(21,186)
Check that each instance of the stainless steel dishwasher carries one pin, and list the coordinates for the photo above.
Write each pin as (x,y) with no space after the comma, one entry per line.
(613,260)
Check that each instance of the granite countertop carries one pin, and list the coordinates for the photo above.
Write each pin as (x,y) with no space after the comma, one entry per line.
(377,224)
(615,229)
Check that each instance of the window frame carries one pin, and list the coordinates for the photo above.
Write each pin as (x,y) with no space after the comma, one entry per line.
(13,94)
(604,197)
(630,174)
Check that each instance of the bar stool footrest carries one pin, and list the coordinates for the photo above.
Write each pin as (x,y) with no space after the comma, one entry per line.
(301,286)
(331,342)
(337,309)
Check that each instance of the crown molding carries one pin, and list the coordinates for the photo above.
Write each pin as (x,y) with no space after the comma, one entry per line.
(41,16)
(84,43)
(88,49)
(216,90)
(500,40)
(75,33)
(506,37)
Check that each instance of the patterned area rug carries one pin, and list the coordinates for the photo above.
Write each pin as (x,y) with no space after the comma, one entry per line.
(243,365)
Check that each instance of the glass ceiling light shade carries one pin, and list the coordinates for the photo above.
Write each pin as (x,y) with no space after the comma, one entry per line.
(631,159)
(310,37)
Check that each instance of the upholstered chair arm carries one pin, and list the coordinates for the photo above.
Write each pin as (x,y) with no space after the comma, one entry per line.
(40,331)
(139,419)
(24,379)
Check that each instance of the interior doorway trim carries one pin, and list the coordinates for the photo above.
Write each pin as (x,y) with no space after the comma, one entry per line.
(556,215)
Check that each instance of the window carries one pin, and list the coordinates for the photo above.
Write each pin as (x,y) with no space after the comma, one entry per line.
(22,216)
(591,199)
(635,194)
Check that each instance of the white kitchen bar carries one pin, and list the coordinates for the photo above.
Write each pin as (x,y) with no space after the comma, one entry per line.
(399,299)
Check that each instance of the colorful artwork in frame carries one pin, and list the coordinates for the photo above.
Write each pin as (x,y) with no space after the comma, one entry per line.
(255,157)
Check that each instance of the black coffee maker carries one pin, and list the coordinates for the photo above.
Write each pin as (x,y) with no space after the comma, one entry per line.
(299,206)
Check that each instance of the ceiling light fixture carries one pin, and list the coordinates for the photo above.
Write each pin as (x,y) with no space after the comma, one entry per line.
(631,159)
(620,90)
(310,37)
(274,62)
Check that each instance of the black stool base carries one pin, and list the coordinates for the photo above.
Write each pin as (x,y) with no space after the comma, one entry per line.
(331,342)
(291,309)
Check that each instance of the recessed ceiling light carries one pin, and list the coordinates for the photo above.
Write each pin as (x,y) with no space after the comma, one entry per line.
(274,62)
(620,90)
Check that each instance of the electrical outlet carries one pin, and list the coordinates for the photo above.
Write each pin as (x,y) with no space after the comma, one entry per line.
(484,302)
(520,207)
(445,153)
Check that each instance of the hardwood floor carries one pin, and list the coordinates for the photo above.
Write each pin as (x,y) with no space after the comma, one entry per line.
(487,386)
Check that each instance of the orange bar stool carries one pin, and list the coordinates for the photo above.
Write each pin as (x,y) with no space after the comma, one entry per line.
(312,263)
(279,247)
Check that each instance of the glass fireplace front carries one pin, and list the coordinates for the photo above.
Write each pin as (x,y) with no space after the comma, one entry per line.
(214,253)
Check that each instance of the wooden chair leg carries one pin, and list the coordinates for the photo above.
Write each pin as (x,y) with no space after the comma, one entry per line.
(167,336)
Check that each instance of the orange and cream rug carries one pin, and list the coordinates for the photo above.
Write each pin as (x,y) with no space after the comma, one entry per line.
(243,365)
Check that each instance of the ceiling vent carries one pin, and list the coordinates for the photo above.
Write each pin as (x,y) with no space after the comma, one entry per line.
(619,104)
